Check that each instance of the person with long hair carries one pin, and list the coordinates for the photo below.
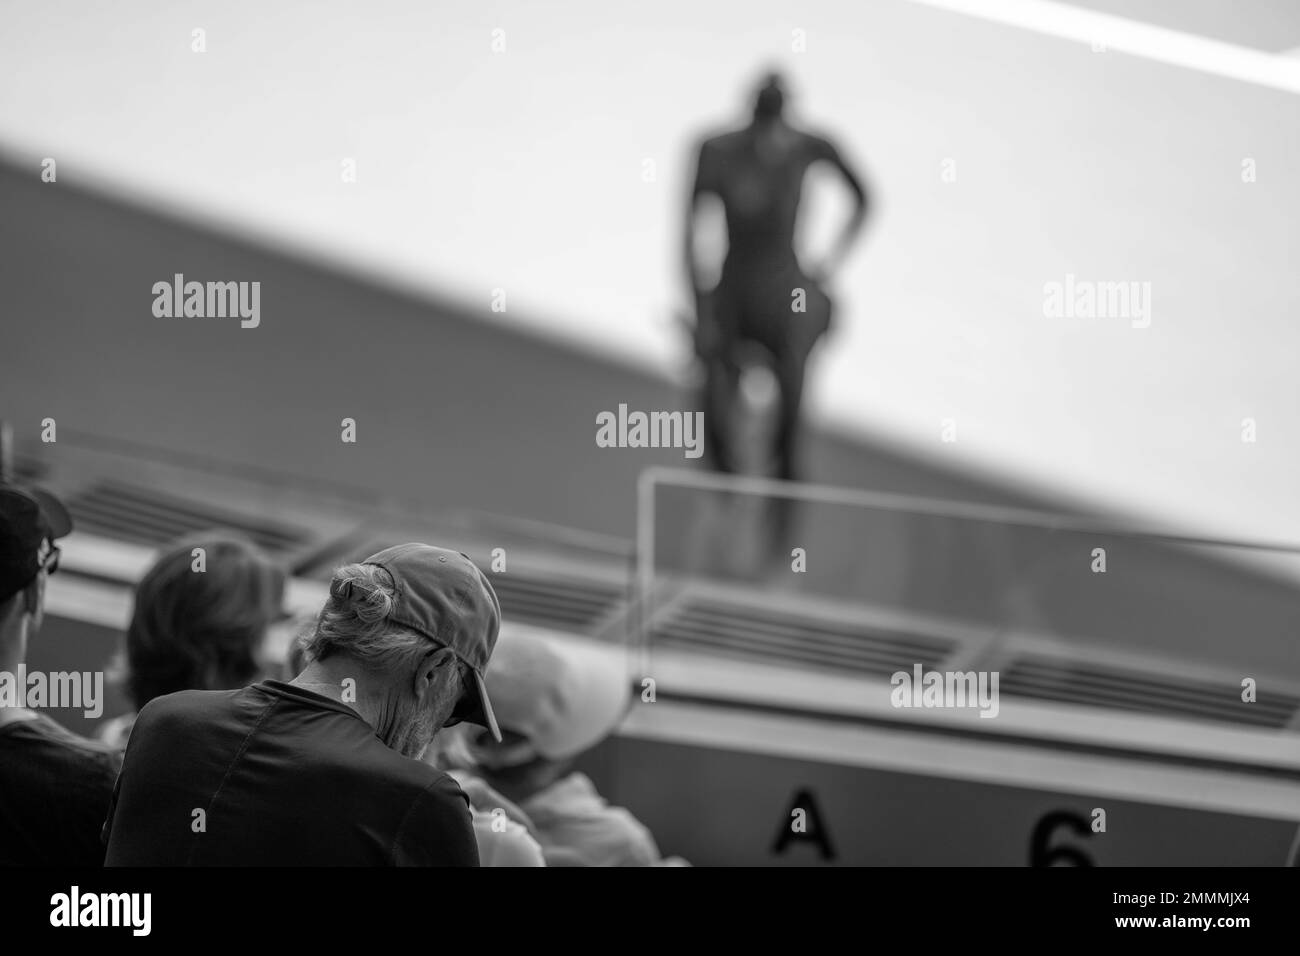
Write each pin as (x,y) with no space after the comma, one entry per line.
(202,614)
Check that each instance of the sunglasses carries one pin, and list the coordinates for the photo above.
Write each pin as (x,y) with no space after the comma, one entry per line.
(465,705)
(51,562)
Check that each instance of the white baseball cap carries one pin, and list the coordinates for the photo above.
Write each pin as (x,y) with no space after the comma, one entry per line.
(563,696)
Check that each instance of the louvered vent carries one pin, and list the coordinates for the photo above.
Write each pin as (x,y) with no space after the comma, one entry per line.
(1073,682)
(350,551)
(575,605)
(150,517)
(710,625)
(29,471)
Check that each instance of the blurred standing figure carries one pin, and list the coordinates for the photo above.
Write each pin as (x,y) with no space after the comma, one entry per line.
(764,297)
(504,833)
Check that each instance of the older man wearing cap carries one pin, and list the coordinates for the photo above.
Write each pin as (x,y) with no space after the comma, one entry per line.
(54,785)
(318,771)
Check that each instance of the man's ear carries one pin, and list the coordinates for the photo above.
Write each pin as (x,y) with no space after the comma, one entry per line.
(427,673)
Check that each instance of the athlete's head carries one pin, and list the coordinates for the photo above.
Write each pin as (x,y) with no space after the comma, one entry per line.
(769,100)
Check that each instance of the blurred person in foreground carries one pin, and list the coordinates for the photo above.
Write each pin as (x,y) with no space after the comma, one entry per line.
(553,702)
(199,623)
(766,300)
(504,833)
(54,785)
(324,770)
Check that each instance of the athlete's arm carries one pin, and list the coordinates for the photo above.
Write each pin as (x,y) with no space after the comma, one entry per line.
(825,150)
(702,328)
(701,185)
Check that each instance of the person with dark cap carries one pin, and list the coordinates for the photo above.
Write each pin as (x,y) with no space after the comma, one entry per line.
(54,785)
(324,770)
(765,300)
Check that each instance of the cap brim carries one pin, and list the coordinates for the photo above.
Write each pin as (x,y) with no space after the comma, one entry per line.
(56,516)
(481,711)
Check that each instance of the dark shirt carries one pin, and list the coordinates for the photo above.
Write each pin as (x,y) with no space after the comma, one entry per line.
(282,777)
(54,793)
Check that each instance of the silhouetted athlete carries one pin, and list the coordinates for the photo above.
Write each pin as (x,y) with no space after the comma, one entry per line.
(758,174)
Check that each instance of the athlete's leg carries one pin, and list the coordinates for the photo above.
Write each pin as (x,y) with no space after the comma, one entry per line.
(799,337)
(720,390)
(789,367)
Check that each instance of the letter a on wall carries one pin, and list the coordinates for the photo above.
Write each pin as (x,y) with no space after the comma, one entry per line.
(803,823)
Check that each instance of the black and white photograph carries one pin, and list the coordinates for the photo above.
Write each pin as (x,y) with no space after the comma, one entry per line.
(728,434)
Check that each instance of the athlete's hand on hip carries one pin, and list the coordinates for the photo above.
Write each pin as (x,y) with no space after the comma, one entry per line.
(819,272)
